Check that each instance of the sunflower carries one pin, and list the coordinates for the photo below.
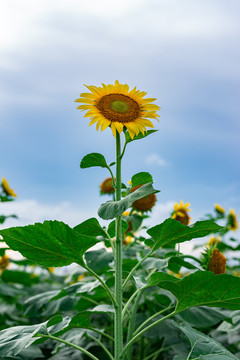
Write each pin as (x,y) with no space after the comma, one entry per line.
(220,210)
(232,220)
(117,107)
(180,213)
(106,186)
(6,188)
(144,204)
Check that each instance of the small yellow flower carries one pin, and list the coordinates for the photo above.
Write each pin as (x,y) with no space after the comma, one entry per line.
(219,209)
(180,213)
(232,220)
(125,213)
(117,107)
(4,262)
(127,240)
(51,269)
(213,241)
(7,189)
(106,186)
(80,277)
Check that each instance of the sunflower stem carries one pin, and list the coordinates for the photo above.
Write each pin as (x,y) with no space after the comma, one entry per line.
(118,258)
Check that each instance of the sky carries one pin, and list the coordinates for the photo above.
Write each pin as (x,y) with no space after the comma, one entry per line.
(184,53)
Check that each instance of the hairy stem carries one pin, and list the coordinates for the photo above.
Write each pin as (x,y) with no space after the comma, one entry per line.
(118,259)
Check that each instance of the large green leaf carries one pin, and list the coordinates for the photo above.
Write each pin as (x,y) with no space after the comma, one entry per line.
(98,259)
(112,209)
(93,159)
(52,243)
(172,231)
(201,288)
(90,227)
(19,277)
(203,347)
(141,178)
(15,339)
(139,136)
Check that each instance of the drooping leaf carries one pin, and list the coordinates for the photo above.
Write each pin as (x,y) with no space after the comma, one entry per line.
(172,231)
(89,227)
(201,288)
(203,317)
(93,159)
(14,339)
(52,243)
(204,347)
(112,209)
(141,179)
(81,320)
(112,228)
(103,308)
(78,288)
(139,136)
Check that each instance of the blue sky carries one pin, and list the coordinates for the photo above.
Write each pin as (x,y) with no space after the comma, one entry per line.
(184,53)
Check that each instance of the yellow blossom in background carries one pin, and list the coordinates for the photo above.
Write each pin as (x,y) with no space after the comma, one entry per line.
(125,213)
(214,241)
(232,220)
(180,213)
(4,262)
(127,240)
(219,209)
(80,277)
(117,107)
(51,269)
(7,189)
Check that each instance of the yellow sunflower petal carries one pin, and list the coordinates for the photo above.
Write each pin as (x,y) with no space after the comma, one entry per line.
(114,130)
(105,125)
(119,127)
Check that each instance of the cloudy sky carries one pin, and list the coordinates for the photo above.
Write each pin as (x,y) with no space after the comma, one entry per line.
(185,53)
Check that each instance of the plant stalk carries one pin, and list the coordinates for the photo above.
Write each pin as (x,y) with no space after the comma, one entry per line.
(118,335)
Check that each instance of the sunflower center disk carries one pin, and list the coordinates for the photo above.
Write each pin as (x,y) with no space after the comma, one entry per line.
(119,108)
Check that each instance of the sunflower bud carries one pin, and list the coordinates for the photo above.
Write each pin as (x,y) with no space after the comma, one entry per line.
(106,186)
(217,263)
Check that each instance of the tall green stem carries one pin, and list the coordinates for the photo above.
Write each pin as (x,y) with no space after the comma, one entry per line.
(118,259)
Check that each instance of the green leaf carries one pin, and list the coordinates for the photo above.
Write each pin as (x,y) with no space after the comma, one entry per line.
(137,137)
(141,178)
(203,347)
(203,317)
(81,320)
(78,288)
(98,259)
(52,243)
(112,229)
(93,159)
(172,231)
(201,288)
(15,339)
(89,227)
(112,209)
(103,308)
(19,277)
(2,251)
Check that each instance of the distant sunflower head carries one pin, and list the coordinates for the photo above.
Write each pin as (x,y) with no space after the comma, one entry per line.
(219,209)
(232,220)
(6,188)
(144,204)
(180,213)
(106,186)
(117,107)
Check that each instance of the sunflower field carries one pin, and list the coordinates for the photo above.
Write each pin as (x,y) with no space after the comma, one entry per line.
(121,291)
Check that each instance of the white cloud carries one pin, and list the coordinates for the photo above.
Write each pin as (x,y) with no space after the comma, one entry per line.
(155,159)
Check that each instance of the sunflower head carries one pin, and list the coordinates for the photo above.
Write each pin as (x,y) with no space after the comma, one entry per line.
(219,210)
(232,223)
(6,188)
(118,107)
(213,260)
(106,186)
(180,213)
(213,241)
(144,204)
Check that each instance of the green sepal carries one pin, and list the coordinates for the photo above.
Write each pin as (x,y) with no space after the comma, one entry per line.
(128,138)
